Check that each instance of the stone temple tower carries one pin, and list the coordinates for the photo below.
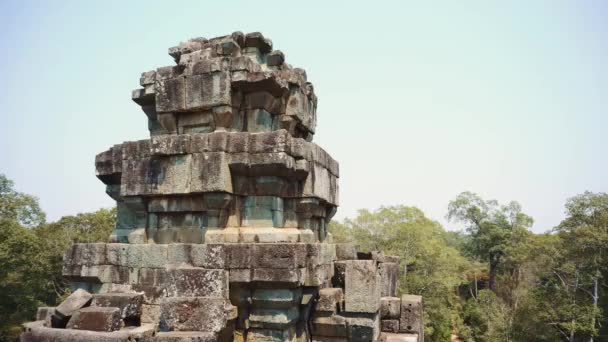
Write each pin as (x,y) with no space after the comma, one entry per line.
(221,230)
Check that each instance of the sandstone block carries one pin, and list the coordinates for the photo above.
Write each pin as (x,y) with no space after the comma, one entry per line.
(270,335)
(169,144)
(328,339)
(276,298)
(242,275)
(73,335)
(319,275)
(361,286)
(150,313)
(209,314)
(144,332)
(196,282)
(208,255)
(269,235)
(129,304)
(88,254)
(346,251)
(321,253)
(279,255)
(363,329)
(138,236)
(330,300)
(411,314)
(389,275)
(205,91)
(334,326)
(389,325)
(96,319)
(273,318)
(152,282)
(390,307)
(210,172)
(280,277)
(238,255)
(391,337)
(76,301)
(275,58)
(185,336)
(257,40)
(147,255)
(179,253)
(44,312)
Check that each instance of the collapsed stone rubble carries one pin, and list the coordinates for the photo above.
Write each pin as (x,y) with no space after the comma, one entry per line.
(222,217)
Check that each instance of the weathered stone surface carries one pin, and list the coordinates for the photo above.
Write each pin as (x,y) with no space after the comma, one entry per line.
(96,319)
(346,251)
(44,312)
(185,336)
(270,335)
(279,255)
(150,313)
(363,329)
(76,301)
(72,335)
(210,314)
(147,255)
(389,275)
(330,300)
(328,339)
(361,286)
(196,282)
(208,255)
(334,325)
(411,314)
(144,332)
(389,325)
(391,337)
(276,298)
(280,277)
(152,283)
(390,307)
(138,236)
(129,304)
(88,254)
(273,318)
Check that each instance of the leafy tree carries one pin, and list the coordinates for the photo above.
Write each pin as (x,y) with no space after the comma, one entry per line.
(56,238)
(429,267)
(493,227)
(21,276)
(31,253)
(487,316)
(577,275)
(18,206)
(22,268)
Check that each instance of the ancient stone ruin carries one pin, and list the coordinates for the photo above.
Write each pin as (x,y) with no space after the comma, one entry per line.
(222,219)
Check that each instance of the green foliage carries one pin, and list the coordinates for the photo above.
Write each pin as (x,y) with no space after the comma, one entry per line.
(17,206)
(31,253)
(487,316)
(429,266)
(21,276)
(494,228)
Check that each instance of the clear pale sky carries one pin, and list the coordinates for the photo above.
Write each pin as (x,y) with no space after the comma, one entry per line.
(418,101)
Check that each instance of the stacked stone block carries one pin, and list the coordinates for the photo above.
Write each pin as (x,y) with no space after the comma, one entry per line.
(222,217)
